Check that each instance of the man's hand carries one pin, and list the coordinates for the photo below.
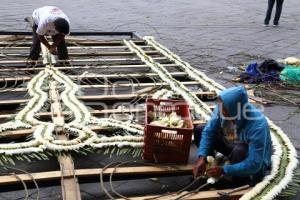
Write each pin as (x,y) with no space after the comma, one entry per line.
(53,49)
(199,167)
(215,172)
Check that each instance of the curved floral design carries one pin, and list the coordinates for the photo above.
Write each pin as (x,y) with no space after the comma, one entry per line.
(43,137)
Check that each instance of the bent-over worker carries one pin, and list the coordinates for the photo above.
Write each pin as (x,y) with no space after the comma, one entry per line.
(49,20)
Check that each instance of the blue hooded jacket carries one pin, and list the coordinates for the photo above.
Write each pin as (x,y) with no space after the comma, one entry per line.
(252,128)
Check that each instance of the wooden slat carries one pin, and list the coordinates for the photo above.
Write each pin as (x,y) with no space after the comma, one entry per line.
(93,112)
(94,76)
(106,97)
(77,43)
(27,132)
(83,60)
(71,54)
(85,173)
(69,185)
(110,67)
(131,96)
(203,195)
(115,86)
(78,47)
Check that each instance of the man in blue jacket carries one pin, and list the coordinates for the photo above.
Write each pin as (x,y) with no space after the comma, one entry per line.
(238,130)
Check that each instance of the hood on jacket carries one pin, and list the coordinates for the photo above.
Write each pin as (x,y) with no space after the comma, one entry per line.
(235,101)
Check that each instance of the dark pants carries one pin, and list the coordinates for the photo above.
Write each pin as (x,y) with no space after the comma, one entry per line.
(35,50)
(278,11)
(235,152)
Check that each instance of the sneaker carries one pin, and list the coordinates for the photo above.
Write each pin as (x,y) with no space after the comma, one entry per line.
(275,24)
(265,24)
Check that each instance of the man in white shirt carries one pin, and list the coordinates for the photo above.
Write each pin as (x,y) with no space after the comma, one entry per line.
(49,20)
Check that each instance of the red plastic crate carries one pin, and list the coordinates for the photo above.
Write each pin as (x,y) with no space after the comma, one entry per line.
(164,144)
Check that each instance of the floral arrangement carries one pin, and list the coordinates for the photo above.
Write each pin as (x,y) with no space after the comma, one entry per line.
(284,158)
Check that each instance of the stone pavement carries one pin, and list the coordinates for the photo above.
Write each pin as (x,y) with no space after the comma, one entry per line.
(211,35)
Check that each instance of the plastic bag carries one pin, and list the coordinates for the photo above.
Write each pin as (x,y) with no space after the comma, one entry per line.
(291,74)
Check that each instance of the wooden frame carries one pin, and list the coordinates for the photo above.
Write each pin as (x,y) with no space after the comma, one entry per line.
(118,60)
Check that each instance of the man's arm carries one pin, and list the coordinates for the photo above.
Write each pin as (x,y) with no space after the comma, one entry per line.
(44,41)
(209,133)
(51,48)
(58,40)
(206,142)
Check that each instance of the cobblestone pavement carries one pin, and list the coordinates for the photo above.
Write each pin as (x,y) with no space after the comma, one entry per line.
(211,35)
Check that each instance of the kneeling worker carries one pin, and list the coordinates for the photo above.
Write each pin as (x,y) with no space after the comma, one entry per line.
(49,20)
(239,131)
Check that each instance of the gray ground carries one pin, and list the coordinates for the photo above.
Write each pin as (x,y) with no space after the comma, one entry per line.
(211,35)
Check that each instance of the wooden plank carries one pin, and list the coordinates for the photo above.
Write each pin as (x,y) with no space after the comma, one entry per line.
(78,47)
(94,76)
(115,86)
(111,53)
(107,97)
(69,185)
(85,173)
(83,60)
(27,132)
(93,112)
(71,54)
(203,195)
(131,96)
(110,67)
(77,43)
(9,38)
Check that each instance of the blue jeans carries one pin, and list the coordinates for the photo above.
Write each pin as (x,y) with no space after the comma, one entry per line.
(271,3)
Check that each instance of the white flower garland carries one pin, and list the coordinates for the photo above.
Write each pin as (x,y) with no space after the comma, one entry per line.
(163,94)
(175,85)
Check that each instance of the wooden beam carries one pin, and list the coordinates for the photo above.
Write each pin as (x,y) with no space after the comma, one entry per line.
(203,195)
(93,112)
(77,47)
(77,43)
(73,54)
(85,173)
(27,132)
(9,38)
(211,95)
(69,185)
(84,60)
(134,95)
(115,86)
(110,67)
(96,76)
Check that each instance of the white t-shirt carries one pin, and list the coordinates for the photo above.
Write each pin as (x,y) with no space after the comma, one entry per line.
(44,18)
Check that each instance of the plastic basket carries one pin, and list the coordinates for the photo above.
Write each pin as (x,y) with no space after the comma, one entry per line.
(164,144)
